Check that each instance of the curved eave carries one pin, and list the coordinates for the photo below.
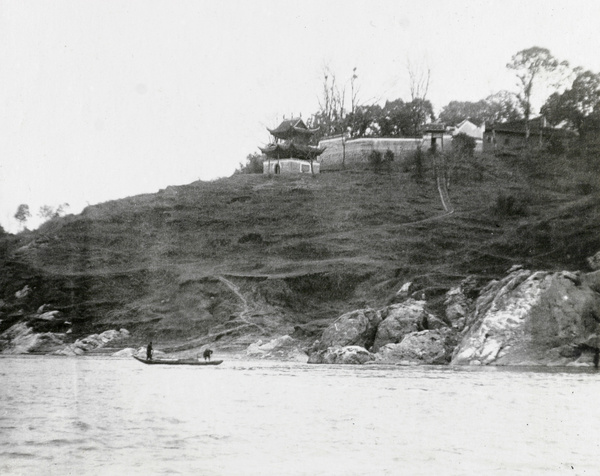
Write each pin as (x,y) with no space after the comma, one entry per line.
(291,132)
(289,151)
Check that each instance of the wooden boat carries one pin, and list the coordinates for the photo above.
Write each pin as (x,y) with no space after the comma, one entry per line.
(177,361)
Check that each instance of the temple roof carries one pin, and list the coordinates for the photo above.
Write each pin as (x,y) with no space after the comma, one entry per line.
(290,128)
(288,150)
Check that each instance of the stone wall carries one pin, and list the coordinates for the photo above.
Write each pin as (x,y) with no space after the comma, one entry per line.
(358,150)
(290,166)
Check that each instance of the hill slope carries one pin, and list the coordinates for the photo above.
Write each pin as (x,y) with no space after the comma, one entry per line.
(253,256)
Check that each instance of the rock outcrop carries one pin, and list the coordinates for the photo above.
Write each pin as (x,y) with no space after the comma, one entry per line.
(594,261)
(459,302)
(93,342)
(428,347)
(355,328)
(533,318)
(126,352)
(353,354)
(402,319)
(21,339)
(280,348)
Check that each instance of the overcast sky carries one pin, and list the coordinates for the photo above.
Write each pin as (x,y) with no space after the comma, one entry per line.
(103,99)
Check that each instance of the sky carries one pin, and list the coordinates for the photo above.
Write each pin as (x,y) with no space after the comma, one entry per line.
(104,99)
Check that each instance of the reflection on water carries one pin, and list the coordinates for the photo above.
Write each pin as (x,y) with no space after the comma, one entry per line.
(106,416)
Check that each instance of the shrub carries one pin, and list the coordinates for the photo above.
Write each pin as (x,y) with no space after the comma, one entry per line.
(388,156)
(254,165)
(417,161)
(584,188)
(375,159)
(509,205)
(463,145)
(251,238)
(555,146)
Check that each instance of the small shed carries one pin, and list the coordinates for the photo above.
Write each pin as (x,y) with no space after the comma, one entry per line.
(511,136)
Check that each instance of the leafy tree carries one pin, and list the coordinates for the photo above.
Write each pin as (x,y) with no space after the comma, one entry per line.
(363,121)
(61,210)
(22,214)
(400,119)
(46,212)
(421,111)
(579,105)
(254,164)
(457,111)
(555,109)
(502,106)
(499,107)
(394,119)
(531,65)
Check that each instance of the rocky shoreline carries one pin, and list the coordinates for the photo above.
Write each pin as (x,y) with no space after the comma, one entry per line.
(528,318)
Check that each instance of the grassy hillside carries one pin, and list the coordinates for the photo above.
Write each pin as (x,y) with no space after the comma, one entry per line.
(253,256)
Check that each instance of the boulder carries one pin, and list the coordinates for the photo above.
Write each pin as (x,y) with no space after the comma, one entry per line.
(351,329)
(94,341)
(49,315)
(127,352)
(280,348)
(402,319)
(433,347)
(404,292)
(352,354)
(23,292)
(21,339)
(594,261)
(459,302)
(531,318)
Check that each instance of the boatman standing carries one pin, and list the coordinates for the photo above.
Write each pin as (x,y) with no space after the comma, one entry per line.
(149,351)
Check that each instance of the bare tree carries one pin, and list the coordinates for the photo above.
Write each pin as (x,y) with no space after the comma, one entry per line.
(331,104)
(354,90)
(419,76)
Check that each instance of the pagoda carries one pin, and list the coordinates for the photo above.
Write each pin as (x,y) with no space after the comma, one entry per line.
(289,151)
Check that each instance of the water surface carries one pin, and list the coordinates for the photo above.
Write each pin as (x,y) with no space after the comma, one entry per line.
(104,416)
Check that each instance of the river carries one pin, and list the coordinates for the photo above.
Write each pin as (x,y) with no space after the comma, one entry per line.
(105,416)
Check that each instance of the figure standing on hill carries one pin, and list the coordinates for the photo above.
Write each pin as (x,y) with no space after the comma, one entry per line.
(207,353)
(149,351)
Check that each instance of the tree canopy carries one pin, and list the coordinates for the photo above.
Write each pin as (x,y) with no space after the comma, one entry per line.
(579,105)
(530,66)
(499,107)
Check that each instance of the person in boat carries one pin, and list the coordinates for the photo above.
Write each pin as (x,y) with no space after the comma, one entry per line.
(149,351)
(207,353)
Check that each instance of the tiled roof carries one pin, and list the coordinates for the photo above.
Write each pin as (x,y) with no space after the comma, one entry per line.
(434,127)
(518,127)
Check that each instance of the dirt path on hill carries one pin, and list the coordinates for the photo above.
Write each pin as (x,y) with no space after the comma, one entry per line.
(443,191)
(242,316)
